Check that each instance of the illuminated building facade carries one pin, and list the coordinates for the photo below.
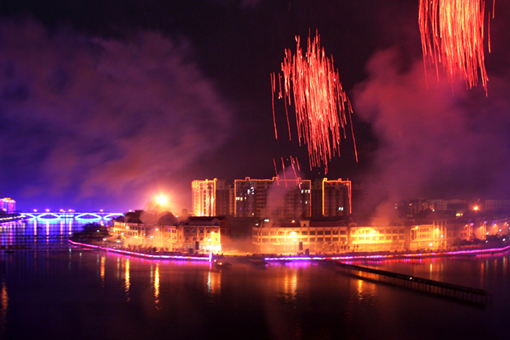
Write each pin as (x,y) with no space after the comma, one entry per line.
(201,234)
(8,205)
(211,197)
(336,197)
(336,237)
(300,236)
(432,235)
(276,197)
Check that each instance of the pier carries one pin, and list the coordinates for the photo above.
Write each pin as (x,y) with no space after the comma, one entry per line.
(463,293)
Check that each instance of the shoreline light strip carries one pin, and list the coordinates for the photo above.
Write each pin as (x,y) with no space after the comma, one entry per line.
(132,253)
(395,256)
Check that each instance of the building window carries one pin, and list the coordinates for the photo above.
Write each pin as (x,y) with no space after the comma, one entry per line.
(327,232)
(312,232)
(343,232)
(304,233)
(320,232)
(320,240)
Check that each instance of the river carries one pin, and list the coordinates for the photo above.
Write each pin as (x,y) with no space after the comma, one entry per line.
(75,293)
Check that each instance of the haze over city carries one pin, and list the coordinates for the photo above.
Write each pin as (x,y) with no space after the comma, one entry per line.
(105,106)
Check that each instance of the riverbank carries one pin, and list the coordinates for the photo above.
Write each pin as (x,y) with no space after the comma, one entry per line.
(281,257)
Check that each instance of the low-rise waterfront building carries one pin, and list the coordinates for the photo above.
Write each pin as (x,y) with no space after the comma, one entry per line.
(339,236)
(200,234)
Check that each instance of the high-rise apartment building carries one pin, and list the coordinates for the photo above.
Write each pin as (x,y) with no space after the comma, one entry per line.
(211,197)
(336,197)
(272,198)
(8,205)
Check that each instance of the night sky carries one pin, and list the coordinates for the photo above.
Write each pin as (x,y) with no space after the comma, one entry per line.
(105,104)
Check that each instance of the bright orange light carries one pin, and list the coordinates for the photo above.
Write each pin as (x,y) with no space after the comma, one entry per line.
(476,208)
(162,200)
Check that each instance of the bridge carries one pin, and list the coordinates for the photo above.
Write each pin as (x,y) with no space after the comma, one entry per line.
(82,217)
(42,231)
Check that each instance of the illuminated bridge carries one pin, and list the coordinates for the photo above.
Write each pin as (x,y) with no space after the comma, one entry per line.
(41,231)
(83,217)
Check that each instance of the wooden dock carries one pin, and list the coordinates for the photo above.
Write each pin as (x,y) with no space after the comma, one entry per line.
(468,294)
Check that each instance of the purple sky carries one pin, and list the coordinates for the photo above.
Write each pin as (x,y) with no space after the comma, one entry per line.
(105,106)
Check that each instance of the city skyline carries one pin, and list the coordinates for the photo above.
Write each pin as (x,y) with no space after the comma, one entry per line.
(105,107)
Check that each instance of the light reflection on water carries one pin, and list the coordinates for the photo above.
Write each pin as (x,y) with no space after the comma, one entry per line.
(37,234)
(156,285)
(127,283)
(4,306)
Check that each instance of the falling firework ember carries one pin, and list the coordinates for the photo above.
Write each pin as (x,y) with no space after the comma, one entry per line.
(452,34)
(322,106)
(294,162)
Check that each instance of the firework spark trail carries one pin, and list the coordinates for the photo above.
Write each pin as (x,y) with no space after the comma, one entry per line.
(284,175)
(293,165)
(275,169)
(452,34)
(321,103)
(273,87)
(294,162)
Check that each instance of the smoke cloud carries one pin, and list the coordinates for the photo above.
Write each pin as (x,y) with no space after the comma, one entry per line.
(440,141)
(92,117)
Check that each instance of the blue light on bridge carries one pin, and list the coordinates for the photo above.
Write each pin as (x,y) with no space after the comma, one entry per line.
(112,216)
(80,216)
(49,216)
(88,217)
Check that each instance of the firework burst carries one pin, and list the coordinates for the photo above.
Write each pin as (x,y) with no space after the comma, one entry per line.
(322,107)
(452,34)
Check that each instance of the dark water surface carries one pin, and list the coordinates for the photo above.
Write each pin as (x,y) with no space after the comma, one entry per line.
(82,294)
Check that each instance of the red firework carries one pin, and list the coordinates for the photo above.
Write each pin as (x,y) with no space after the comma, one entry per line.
(322,107)
(452,34)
